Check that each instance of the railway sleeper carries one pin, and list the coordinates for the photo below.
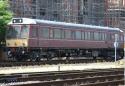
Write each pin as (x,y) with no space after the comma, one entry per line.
(107,83)
(60,82)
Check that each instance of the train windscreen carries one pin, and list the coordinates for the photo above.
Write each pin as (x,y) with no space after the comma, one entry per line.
(17,31)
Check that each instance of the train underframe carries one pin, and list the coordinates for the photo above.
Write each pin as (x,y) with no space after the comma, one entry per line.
(38,54)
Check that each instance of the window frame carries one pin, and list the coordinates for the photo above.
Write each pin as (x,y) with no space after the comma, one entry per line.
(31,28)
(57,28)
(70,33)
(41,36)
(79,35)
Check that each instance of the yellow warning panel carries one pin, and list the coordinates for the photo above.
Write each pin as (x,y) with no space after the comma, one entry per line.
(17,43)
(124,45)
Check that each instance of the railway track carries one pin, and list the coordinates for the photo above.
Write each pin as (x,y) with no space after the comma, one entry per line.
(103,77)
(14,63)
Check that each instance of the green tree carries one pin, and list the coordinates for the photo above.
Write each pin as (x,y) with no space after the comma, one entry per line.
(5,16)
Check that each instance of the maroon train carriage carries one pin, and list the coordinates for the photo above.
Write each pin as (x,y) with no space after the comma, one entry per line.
(33,39)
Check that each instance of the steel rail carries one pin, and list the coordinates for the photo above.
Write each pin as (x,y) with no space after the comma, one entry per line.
(57,75)
(78,81)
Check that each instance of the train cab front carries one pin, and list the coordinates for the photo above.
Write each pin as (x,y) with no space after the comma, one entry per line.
(17,40)
(17,36)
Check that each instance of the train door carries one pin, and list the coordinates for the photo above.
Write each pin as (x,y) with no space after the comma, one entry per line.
(33,40)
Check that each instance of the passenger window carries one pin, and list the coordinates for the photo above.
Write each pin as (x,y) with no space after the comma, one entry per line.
(121,38)
(83,35)
(113,36)
(73,35)
(109,36)
(44,32)
(51,33)
(57,33)
(117,37)
(92,35)
(67,34)
(96,36)
(104,36)
(34,31)
(87,35)
(78,34)
(100,36)
(63,34)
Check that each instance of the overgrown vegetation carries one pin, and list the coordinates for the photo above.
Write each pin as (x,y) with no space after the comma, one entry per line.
(5,16)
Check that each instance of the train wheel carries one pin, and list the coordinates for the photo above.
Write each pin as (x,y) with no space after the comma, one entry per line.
(94,58)
(105,58)
(34,56)
(67,59)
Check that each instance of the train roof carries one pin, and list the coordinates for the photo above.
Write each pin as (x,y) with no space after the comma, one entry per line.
(35,21)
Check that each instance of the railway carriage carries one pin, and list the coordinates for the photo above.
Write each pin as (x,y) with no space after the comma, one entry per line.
(33,39)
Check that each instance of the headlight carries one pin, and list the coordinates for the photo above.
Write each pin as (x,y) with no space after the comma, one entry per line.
(8,44)
(24,44)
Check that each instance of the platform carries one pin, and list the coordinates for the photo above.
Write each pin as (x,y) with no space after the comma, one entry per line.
(61,67)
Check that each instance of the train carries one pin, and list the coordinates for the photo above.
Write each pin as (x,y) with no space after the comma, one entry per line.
(34,40)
